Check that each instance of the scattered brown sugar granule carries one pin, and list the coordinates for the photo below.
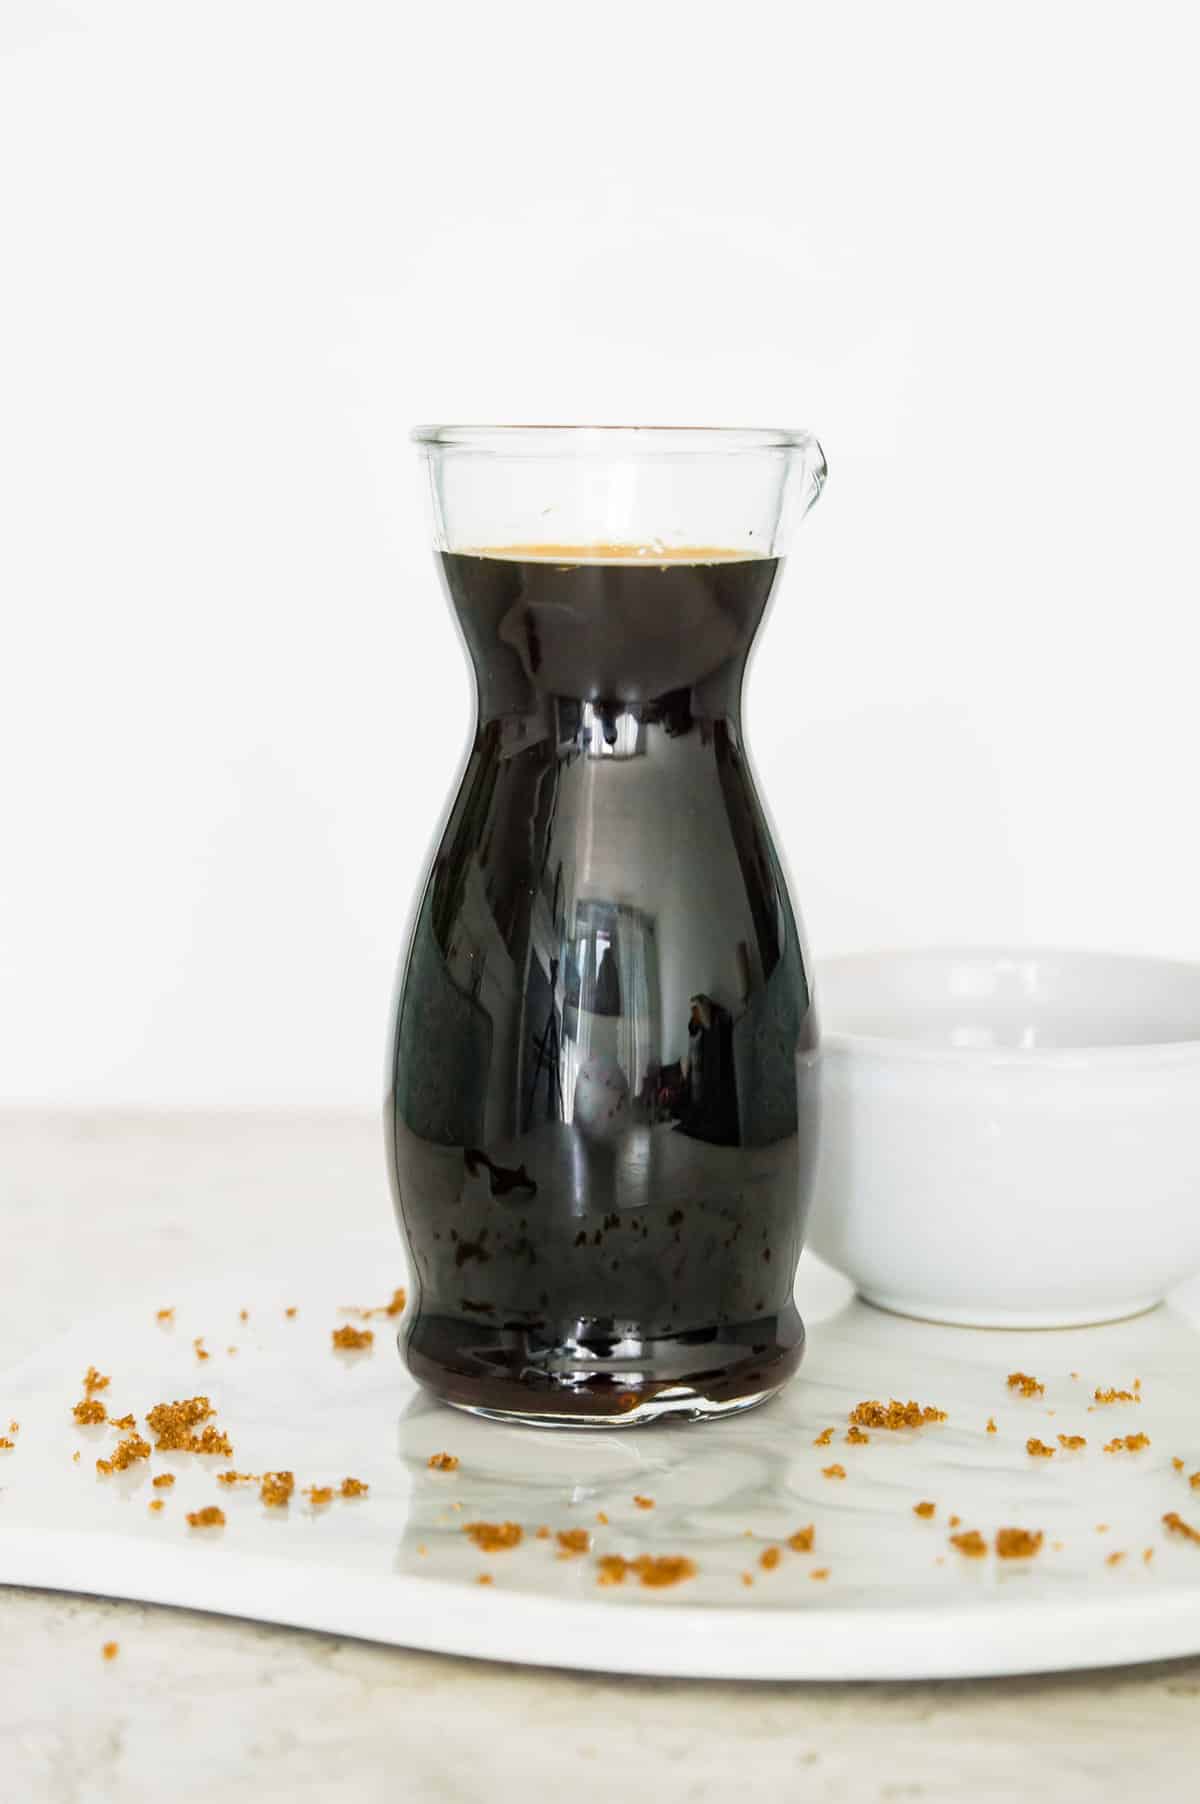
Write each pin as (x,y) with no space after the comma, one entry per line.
(802,1540)
(443,1462)
(94,1381)
(319,1495)
(602,1518)
(485,1578)
(643,1503)
(1178,1464)
(1128,1443)
(1114,1558)
(211,1440)
(399,1299)
(924,1509)
(833,1471)
(290,1312)
(209,1517)
(747,1578)
(543,1533)
(1116,1396)
(824,1438)
(769,1558)
(89,1410)
(243,1315)
(231,1350)
(156,1504)
(164,1315)
(353,1340)
(1028,1387)
(656,1570)
(14,1428)
(819,1572)
(201,1350)
(163,1481)
(172,1423)
(124,1422)
(1102,1528)
(110,1650)
(855,1436)
(132,1448)
(235,1478)
(573,1541)
(970,1543)
(1038,1449)
(1178,1526)
(6,1446)
(494,1537)
(895,1414)
(1194,1481)
(991,1425)
(1072,1442)
(275,1489)
(1147,1555)
(75,1457)
(354,1487)
(1017,1543)
(953,1521)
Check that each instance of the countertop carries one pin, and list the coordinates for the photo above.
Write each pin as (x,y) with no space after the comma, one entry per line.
(117,1207)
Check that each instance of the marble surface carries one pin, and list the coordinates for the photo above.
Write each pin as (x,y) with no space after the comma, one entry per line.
(123,1213)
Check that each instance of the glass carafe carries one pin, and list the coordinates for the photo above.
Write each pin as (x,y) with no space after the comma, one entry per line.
(601,1155)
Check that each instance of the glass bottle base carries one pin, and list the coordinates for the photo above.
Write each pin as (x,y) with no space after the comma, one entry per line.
(599,1381)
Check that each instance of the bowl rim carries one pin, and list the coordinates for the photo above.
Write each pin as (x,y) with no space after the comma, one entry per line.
(885,1048)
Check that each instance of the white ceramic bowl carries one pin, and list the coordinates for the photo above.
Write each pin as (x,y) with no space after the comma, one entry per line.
(1009,1139)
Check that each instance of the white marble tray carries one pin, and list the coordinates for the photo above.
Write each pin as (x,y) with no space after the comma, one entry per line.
(899,1601)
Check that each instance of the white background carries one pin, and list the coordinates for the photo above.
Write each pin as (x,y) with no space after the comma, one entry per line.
(245,244)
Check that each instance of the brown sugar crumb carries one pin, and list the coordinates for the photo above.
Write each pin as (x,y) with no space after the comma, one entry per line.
(1072,1442)
(110,1650)
(290,1312)
(399,1299)
(172,1423)
(1038,1449)
(1017,1543)
(484,1578)
(1178,1526)
(602,1518)
(834,1471)
(747,1578)
(824,1438)
(212,1440)
(953,1521)
(353,1340)
(1128,1443)
(164,1315)
(125,1422)
(234,1478)
(802,1540)
(971,1543)
(164,1481)
(643,1503)
(1147,1555)
(94,1381)
(275,1489)
(132,1448)
(895,1415)
(201,1350)
(769,1558)
(855,1436)
(156,1504)
(443,1462)
(354,1487)
(209,1517)
(1102,1528)
(319,1495)
(231,1350)
(819,1572)
(14,1428)
(1028,1387)
(1116,1396)
(1114,1558)
(6,1446)
(1178,1464)
(494,1537)
(75,1457)
(1194,1481)
(991,1425)
(573,1541)
(655,1570)
(90,1409)
(924,1509)
(243,1315)
(543,1533)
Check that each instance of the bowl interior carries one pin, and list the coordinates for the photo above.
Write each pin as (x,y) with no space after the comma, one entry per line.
(1012,1001)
